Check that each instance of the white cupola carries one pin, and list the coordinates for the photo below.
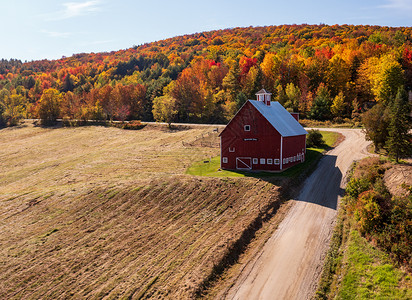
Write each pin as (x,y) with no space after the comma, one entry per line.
(264,96)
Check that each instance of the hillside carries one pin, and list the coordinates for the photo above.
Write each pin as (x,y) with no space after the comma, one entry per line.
(324,72)
(98,212)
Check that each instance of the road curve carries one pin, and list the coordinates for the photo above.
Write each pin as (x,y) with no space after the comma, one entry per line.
(289,265)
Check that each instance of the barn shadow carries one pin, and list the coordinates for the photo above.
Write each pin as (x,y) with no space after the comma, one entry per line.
(322,187)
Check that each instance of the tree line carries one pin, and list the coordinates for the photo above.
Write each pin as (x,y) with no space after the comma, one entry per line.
(323,72)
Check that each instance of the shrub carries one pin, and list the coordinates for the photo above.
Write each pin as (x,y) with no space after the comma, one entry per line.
(134,125)
(314,138)
(357,186)
(380,217)
(368,212)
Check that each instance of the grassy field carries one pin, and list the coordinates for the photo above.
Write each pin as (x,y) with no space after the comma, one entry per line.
(96,212)
(211,167)
(370,274)
(355,269)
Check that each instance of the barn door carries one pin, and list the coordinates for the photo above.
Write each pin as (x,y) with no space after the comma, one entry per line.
(244,163)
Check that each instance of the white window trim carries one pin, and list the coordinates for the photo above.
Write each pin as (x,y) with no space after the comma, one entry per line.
(262,161)
(224,160)
(269,161)
(232,149)
(276,161)
(255,161)
(246,127)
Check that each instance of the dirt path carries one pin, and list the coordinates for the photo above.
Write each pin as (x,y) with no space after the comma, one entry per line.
(290,263)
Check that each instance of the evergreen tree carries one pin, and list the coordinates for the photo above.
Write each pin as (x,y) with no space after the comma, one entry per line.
(398,143)
(240,100)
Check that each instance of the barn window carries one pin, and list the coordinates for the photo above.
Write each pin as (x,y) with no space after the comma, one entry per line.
(269,161)
(247,127)
(294,158)
(232,149)
(277,161)
(262,161)
(224,160)
(284,161)
(255,161)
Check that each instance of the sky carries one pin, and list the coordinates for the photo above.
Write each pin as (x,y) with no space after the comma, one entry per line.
(50,29)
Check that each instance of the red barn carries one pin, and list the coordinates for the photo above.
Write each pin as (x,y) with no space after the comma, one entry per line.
(262,136)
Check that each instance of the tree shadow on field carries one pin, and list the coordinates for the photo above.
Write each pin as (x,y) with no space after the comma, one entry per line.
(322,187)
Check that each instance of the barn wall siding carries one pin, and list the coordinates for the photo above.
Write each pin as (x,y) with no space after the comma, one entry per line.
(294,150)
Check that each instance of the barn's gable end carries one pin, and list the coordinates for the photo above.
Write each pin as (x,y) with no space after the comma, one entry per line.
(262,137)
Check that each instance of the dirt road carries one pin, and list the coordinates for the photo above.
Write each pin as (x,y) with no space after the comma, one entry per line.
(290,263)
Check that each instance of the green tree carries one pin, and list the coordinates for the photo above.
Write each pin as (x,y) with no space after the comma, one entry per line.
(164,109)
(48,108)
(320,109)
(231,81)
(399,139)
(376,122)
(240,100)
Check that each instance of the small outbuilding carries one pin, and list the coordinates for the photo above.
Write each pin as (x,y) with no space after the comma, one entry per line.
(262,136)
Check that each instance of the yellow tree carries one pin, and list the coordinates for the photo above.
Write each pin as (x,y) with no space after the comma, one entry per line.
(164,109)
(384,75)
(48,108)
(13,106)
(338,105)
(337,75)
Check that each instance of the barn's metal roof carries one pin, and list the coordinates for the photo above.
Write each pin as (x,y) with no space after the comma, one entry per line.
(280,118)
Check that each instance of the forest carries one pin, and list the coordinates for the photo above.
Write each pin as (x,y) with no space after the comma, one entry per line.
(323,72)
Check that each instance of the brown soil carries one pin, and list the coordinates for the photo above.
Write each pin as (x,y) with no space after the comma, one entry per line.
(397,177)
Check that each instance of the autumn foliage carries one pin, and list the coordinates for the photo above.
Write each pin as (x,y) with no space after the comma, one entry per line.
(382,218)
(324,72)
